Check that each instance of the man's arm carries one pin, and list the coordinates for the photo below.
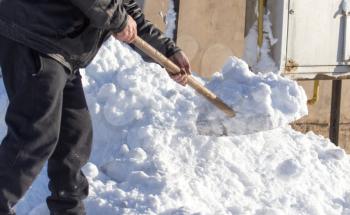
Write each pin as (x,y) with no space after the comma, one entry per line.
(104,14)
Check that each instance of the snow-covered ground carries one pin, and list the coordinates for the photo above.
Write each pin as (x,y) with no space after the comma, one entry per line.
(161,149)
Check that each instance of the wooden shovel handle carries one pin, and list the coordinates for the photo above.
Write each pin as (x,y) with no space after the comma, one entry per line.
(174,69)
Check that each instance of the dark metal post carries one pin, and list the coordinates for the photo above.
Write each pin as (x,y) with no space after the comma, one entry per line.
(177,10)
(335,111)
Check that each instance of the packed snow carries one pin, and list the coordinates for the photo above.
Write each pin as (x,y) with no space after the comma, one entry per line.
(161,149)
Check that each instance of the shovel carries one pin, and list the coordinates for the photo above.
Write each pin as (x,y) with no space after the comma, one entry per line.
(174,69)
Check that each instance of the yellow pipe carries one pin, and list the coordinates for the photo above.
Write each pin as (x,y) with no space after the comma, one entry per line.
(261,14)
(314,98)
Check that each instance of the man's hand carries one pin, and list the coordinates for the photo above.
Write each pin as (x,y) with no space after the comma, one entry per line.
(129,33)
(181,60)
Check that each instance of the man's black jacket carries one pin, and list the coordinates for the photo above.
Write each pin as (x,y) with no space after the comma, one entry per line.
(72,31)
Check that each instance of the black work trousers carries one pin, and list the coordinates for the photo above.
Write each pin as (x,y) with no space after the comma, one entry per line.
(47,120)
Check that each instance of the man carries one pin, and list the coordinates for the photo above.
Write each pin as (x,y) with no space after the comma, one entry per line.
(43,43)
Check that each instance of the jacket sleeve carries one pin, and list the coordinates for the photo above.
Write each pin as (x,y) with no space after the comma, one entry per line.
(148,32)
(104,14)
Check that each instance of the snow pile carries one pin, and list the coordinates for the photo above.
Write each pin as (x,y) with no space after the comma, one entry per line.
(263,101)
(142,94)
